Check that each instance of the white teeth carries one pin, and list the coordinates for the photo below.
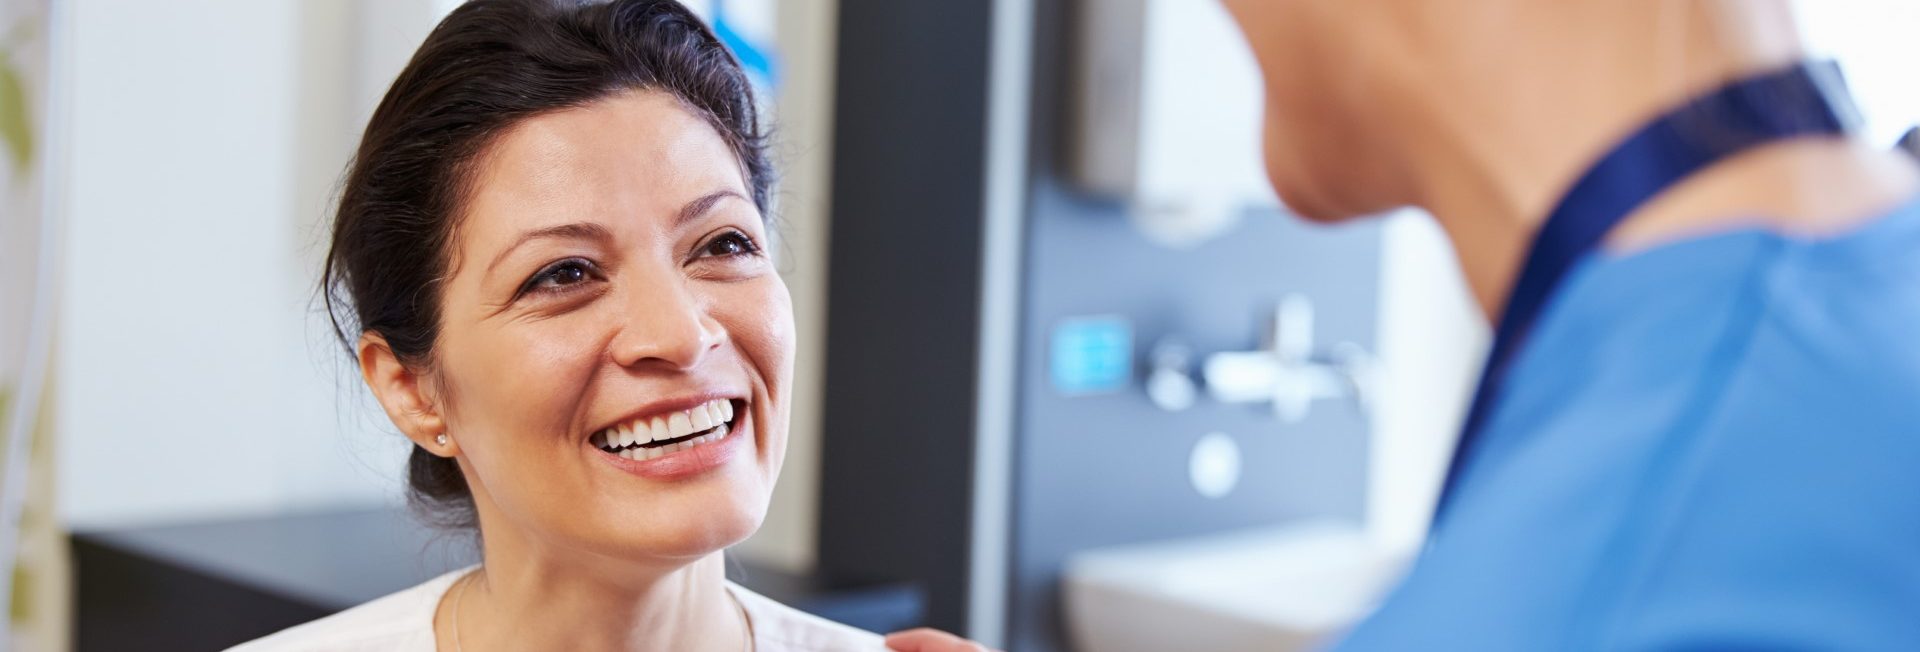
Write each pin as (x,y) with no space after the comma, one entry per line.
(643,453)
(710,420)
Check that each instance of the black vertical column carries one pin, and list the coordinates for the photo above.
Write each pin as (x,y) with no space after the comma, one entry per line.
(904,289)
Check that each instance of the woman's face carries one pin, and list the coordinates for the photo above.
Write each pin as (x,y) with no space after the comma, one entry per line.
(610,284)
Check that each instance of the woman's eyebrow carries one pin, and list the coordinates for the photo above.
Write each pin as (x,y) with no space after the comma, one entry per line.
(572,231)
(590,231)
(698,207)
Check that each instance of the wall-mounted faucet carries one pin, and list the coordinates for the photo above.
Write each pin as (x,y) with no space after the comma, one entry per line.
(1287,371)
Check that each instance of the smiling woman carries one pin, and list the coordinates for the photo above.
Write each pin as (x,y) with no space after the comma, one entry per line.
(548,262)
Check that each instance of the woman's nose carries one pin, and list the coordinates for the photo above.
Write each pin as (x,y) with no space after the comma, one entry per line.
(665,325)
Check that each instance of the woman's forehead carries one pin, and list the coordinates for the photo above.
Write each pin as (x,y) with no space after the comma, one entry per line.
(638,155)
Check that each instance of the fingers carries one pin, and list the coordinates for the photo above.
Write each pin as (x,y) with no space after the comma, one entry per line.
(931,640)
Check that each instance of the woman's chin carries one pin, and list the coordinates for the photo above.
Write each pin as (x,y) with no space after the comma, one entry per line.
(1312,203)
(695,546)
(684,535)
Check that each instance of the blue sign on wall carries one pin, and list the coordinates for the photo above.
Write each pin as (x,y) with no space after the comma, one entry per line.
(1092,355)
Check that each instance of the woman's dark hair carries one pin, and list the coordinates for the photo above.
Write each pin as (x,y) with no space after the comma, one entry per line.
(488,66)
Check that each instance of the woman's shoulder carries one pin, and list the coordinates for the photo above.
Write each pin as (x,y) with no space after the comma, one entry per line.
(780,628)
(400,622)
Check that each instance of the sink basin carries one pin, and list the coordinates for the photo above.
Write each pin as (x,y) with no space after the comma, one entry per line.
(1272,590)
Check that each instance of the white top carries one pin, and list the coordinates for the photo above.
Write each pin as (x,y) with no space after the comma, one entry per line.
(403,622)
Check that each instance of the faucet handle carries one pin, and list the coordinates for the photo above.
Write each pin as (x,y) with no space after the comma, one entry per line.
(1169,384)
(1286,372)
(1292,334)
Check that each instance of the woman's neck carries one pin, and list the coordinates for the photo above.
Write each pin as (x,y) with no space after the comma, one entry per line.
(1492,140)
(519,601)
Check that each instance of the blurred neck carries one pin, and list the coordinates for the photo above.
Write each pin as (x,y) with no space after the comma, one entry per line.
(1493,139)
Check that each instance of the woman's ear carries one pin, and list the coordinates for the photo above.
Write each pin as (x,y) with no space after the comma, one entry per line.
(405,395)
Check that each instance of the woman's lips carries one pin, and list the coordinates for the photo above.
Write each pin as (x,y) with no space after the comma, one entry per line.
(692,458)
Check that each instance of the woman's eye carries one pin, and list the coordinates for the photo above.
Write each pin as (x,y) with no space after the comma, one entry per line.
(561,275)
(568,275)
(732,243)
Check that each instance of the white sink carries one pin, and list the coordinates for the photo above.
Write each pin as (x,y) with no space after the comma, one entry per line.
(1271,590)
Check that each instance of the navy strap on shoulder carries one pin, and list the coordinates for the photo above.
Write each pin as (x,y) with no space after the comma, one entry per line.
(1808,99)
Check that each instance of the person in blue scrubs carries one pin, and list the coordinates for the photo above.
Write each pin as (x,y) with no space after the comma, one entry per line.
(1700,425)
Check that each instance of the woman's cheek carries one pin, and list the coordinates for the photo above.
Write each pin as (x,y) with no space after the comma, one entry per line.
(528,376)
(568,347)
(758,317)
(775,321)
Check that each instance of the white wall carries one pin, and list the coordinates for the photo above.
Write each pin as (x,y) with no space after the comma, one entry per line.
(1432,340)
(195,377)
(1878,45)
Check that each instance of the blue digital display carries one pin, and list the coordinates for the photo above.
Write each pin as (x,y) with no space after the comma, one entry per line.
(1092,355)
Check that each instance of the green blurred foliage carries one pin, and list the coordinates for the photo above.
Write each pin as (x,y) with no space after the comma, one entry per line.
(16,131)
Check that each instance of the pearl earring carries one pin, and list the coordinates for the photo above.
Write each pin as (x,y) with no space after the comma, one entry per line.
(440,439)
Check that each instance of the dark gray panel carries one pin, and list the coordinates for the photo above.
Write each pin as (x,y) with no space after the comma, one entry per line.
(903,298)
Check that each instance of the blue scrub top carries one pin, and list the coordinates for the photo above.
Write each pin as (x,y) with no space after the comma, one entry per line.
(1710,445)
